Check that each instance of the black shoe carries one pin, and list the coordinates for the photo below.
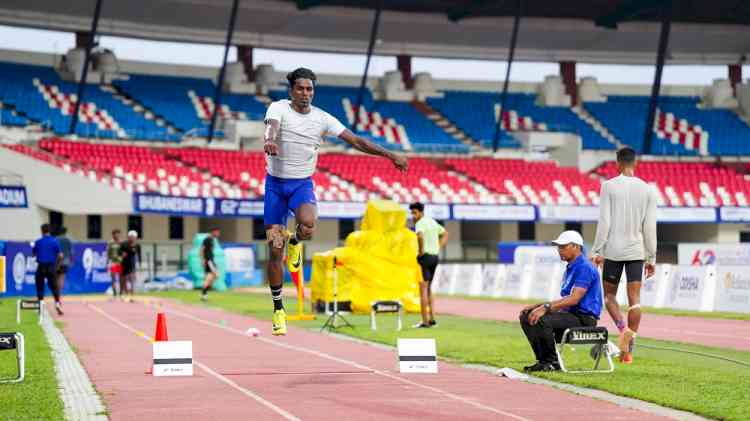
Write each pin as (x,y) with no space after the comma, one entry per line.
(542,367)
(529,367)
(433,322)
(421,325)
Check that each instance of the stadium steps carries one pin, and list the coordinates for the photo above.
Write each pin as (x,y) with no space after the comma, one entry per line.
(597,125)
(448,126)
(265,99)
(16,112)
(148,114)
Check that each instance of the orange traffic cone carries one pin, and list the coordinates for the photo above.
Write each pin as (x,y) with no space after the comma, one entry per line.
(161,328)
(160,334)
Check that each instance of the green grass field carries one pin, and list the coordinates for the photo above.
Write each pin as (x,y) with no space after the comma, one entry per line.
(650,310)
(36,398)
(709,387)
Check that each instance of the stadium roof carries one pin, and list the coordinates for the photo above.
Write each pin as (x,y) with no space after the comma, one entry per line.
(708,32)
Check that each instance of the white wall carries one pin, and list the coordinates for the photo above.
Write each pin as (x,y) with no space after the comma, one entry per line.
(548,232)
(729,233)
(68,193)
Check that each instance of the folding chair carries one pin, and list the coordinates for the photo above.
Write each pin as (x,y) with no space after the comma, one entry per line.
(385,307)
(597,336)
(10,341)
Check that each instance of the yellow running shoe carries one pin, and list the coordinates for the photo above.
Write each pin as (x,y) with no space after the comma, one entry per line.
(279,323)
(293,255)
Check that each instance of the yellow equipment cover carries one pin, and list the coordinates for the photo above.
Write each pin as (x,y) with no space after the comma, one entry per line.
(377,263)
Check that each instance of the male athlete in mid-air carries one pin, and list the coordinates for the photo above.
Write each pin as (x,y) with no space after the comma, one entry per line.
(294,131)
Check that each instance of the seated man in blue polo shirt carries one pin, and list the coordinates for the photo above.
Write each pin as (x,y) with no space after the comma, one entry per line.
(579,306)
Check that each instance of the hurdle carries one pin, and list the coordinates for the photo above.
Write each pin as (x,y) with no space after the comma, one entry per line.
(386,307)
(10,341)
(29,305)
(597,336)
(299,279)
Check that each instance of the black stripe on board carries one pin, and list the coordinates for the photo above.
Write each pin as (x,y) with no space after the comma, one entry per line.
(417,358)
(173,360)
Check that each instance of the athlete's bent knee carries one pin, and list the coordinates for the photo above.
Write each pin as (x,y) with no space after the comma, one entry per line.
(305,230)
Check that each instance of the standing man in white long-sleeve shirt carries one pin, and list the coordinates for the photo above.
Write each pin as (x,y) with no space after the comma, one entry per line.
(626,239)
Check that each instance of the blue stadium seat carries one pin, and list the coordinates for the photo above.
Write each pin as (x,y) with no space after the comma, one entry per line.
(625,117)
(424,135)
(165,96)
(474,113)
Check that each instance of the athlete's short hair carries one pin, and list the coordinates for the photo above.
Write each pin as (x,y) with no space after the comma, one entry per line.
(418,206)
(300,73)
(626,156)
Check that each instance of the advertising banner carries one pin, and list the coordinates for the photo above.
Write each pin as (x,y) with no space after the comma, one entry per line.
(545,281)
(468,279)
(680,214)
(493,213)
(550,213)
(240,265)
(536,255)
(444,280)
(493,275)
(704,254)
(732,289)
(88,274)
(13,197)
(691,288)
(734,214)
(512,281)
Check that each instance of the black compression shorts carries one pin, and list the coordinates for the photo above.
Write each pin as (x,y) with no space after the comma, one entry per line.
(429,263)
(612,271)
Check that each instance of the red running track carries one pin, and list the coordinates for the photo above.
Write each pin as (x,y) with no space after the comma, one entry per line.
(305,375)
(720,333)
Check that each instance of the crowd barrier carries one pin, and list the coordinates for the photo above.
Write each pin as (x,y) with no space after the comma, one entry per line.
(682,287)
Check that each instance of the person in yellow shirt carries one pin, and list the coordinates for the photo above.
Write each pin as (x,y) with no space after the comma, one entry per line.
(431,237)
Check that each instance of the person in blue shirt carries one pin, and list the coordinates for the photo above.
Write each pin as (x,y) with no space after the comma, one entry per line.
(579,306)
(48,256)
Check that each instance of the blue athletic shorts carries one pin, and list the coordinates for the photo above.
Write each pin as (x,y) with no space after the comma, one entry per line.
(284,196)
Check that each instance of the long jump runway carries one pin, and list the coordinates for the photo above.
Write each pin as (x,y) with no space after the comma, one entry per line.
(720,333)
(304,375)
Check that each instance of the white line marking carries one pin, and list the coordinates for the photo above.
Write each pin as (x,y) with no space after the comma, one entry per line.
(351,363)
(207,369)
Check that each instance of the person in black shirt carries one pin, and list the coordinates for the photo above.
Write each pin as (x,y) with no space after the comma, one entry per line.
(66,248)
(209,266)
(130,251)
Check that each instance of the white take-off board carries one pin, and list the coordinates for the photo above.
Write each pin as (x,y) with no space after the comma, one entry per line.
(173,358)
(417,356)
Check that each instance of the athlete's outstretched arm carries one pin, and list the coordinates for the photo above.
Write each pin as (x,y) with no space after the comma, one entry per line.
(364,145)
(270,135)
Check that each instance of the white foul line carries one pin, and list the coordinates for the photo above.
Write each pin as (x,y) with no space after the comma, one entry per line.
(207,369)
(351,363)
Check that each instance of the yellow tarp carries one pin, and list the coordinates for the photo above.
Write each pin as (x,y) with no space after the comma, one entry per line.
(377,263)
